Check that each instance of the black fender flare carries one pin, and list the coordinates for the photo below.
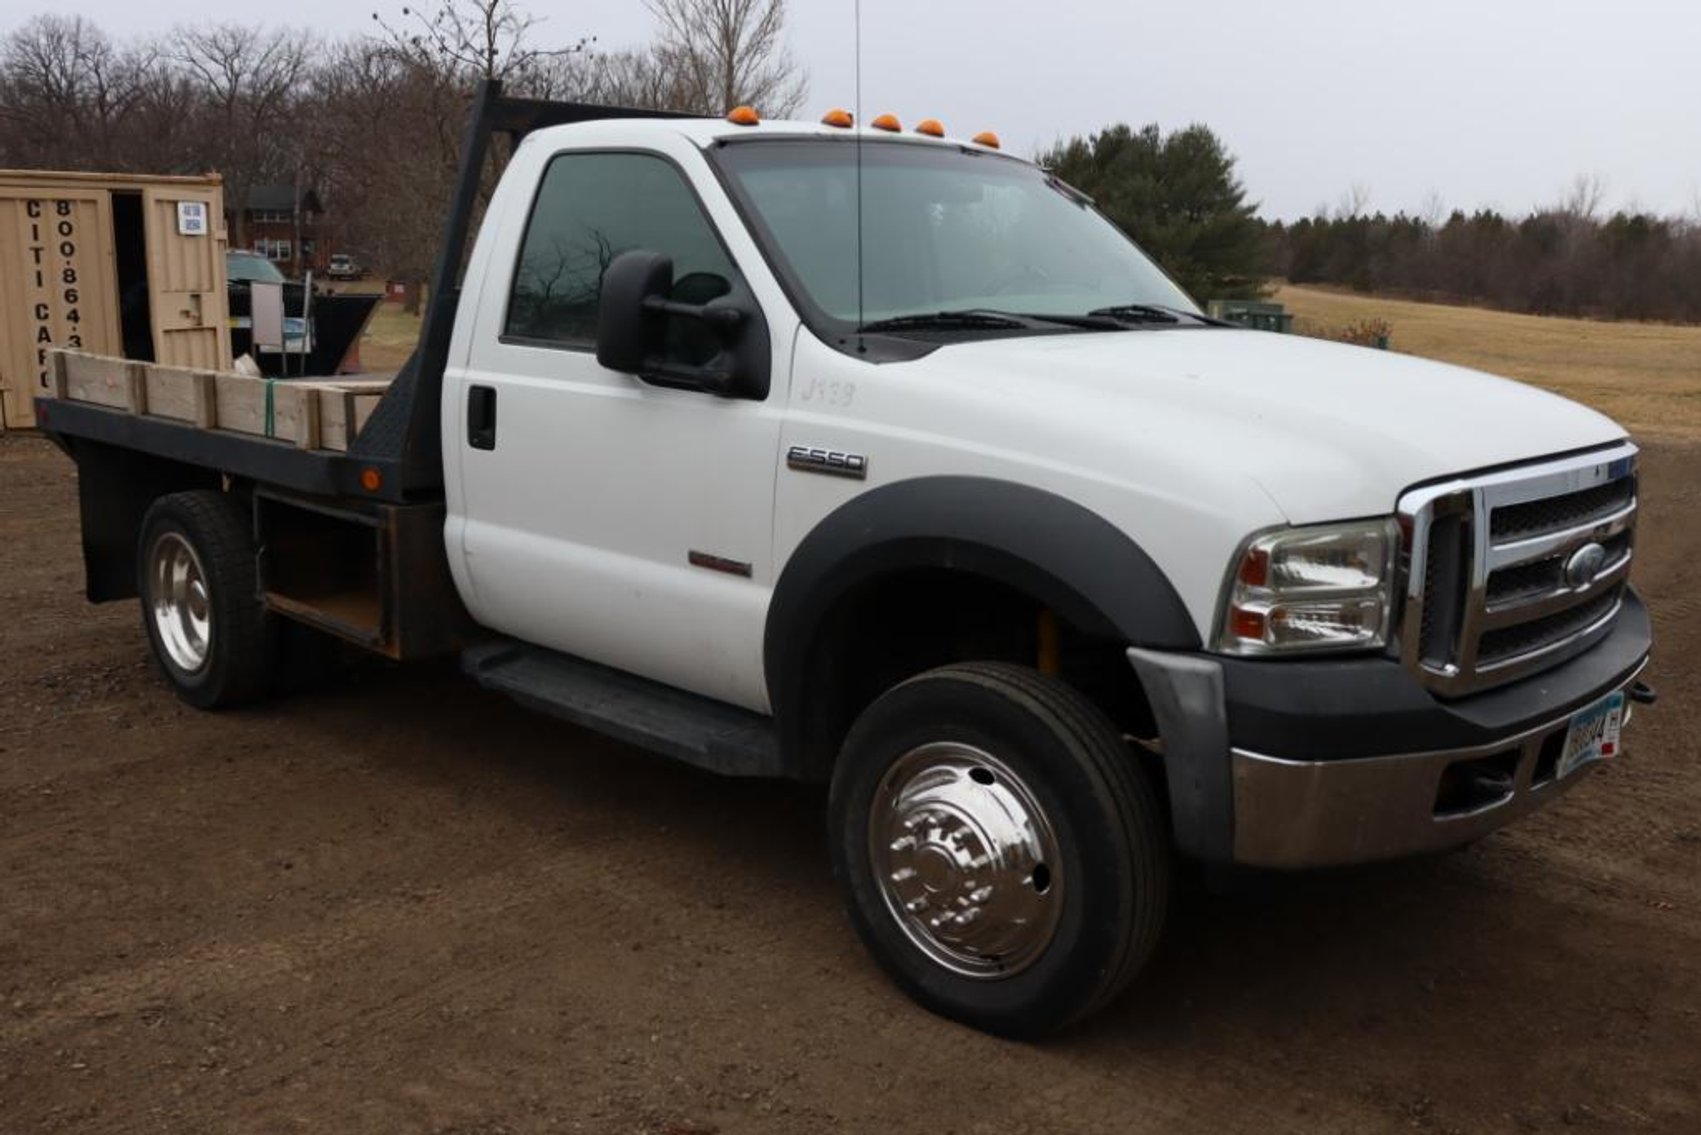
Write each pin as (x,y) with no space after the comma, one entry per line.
(1068,557)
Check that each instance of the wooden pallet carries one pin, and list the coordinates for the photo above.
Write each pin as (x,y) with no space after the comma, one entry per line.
(309,413)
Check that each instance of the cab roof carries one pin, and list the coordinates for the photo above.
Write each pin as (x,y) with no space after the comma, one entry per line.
(706,132)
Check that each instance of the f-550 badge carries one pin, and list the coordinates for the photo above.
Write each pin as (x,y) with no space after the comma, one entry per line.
(834,462)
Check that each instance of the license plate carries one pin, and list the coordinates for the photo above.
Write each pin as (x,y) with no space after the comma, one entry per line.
(1593,734)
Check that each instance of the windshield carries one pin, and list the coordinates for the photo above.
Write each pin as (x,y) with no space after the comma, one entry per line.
(942,230)
(247,267)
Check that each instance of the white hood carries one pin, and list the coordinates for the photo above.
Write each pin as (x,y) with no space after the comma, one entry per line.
(1326,430)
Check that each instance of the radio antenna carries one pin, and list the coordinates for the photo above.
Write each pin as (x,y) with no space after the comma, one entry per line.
(856,125)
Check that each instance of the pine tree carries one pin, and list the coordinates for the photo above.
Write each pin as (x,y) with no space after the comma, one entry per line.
(1178,197)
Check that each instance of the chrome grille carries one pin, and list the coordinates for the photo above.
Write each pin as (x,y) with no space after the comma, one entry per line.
(1499,582)
(1566,511)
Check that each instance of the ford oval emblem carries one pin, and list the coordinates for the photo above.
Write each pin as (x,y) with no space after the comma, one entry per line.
(1584,564)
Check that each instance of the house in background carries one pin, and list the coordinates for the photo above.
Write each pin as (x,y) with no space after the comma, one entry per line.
(270,226)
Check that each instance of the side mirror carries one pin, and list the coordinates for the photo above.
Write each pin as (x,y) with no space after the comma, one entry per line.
(635,312)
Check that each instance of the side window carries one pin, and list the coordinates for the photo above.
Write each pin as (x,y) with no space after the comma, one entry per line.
(589,209)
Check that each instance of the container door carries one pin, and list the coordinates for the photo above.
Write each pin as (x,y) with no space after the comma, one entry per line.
(186,240)
(58,287)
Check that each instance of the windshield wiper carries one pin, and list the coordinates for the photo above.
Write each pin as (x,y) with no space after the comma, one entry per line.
(1154,313)
(1092,321)
(967,320)
(1137,313)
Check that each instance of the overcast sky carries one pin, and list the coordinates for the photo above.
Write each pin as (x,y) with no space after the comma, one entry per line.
(1491,102)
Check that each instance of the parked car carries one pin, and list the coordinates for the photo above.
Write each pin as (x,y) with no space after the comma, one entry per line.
(885,461)
(342,266)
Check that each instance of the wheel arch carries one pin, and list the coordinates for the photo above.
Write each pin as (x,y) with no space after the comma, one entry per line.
(1020,540)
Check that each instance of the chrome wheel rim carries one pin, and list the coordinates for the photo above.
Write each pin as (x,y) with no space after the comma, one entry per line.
(177,596)
(966,860)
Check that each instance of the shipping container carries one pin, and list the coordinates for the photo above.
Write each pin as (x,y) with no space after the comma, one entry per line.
(113,264)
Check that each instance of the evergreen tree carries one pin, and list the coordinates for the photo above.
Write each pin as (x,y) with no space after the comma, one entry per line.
(1177,195)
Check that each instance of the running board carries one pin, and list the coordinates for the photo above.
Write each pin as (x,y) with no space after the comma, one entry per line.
(697,730)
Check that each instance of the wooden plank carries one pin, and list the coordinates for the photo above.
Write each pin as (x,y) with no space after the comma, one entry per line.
(136,387)
(344,407)
(242,404)
(359,385)
(364,405)
(340,418)
(311,415)
(96,379)
(307,412)
(205,384)
(170,392)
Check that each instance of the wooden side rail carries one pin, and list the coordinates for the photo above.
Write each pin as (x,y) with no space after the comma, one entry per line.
(311,414)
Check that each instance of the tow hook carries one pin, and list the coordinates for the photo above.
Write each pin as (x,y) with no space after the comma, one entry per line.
(1643,694)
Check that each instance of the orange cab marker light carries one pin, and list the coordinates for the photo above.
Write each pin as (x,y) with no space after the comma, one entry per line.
(838,116)
(743,116)
(371,480)
(932,127)
(887,122)
(986,138)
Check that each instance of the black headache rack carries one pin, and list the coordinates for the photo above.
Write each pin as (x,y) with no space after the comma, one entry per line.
(402,440)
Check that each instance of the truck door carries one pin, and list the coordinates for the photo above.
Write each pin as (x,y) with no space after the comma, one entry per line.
(599,515)
(186,284)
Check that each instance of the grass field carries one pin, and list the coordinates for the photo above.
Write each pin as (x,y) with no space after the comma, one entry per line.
(390,338)
(1645,375)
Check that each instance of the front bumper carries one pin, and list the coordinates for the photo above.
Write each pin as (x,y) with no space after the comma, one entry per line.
(1325,813)
(1308,764)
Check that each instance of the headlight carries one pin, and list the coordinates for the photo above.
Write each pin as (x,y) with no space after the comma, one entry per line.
(1327,587)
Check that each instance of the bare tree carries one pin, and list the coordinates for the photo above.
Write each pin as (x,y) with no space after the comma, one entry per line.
(641,78)
(482,39)
(717,54)
(1354,202)
(249,84)
(373,124)
(1583,200)
(67,94)
(1434,209)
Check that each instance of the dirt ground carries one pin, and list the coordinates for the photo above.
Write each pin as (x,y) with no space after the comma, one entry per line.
(404,905)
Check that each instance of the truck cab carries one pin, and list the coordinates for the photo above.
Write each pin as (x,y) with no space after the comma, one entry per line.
(883,460)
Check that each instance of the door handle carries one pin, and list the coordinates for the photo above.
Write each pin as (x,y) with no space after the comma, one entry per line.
(481,417)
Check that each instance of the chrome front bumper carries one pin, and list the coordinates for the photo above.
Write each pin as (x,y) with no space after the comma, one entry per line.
(1290,813)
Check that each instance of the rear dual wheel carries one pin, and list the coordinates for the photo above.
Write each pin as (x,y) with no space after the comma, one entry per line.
(1003,854)
(201,608)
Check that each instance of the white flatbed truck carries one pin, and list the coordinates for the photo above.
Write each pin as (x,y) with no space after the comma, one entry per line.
(884,460)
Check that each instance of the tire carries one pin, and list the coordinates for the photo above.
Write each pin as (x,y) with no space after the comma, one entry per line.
(201,608)
(982,757)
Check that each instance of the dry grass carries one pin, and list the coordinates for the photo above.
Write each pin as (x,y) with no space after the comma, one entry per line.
(1647,376)
(390,338)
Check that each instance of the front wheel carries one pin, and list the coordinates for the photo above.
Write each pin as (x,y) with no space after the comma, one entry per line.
(1003,854)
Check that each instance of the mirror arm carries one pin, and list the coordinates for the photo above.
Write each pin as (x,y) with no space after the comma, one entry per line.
(716,315)
(715,380)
